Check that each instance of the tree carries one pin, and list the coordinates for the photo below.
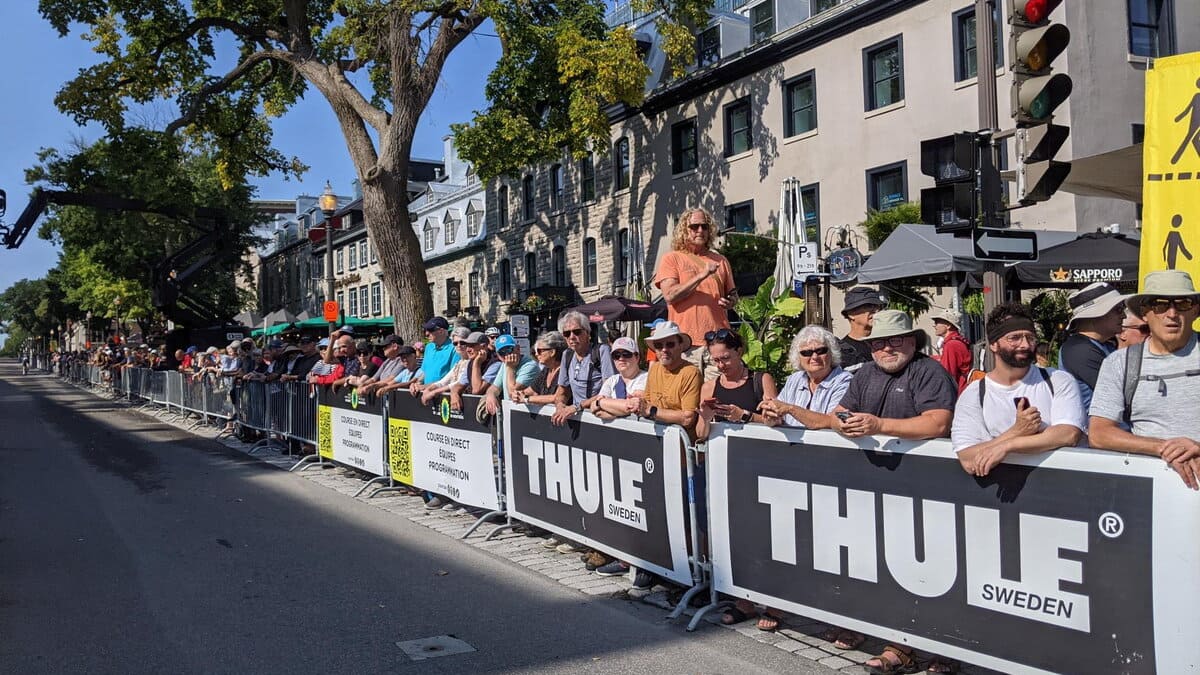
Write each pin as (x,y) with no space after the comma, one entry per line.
(377,64)
(879,225)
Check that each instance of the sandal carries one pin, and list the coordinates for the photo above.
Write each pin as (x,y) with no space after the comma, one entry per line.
(893,660)
(733,615)
(848,640)
(768,623)
(942,665)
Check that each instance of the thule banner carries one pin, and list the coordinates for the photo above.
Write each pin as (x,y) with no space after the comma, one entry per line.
(350,429)
(448,452)
(616,486)
(1071,561)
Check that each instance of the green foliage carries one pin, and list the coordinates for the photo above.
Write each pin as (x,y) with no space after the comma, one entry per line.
(879,225)
(972,303)
(767,328)
(749,255)
(1051,312)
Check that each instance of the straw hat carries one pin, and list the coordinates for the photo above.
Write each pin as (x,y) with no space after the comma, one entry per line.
(1163,284)
(1094,301)
(895,323)
(665,330)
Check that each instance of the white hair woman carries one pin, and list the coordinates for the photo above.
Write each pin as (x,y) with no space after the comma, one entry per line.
(818,384)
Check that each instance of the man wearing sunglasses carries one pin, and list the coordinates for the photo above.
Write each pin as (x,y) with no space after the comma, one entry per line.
(902,392)
(584,368)
(1152,388)
(673,385)
(1096,314)
(697,284)
(516,371)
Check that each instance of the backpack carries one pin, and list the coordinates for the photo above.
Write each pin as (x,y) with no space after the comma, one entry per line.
(1045,376)
(594,357)
(1133,375)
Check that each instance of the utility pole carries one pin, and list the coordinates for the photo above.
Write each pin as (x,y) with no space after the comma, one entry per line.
(985,52)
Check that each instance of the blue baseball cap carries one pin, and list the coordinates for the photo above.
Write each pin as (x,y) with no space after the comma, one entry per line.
(275,344)
(348,329)
(324,342)
(505,340)
(193,349)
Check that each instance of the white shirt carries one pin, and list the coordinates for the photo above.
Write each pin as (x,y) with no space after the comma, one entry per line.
(609,388)
(974,424)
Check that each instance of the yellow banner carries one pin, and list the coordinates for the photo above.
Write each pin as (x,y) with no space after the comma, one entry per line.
(1171,167)
(325,431)
(400,450)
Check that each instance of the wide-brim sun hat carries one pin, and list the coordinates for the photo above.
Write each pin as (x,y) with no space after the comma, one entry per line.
(1163,284)
(668,329)
(1094,301)
(895,323)
(948,316)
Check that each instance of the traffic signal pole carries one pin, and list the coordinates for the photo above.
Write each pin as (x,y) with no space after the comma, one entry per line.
(985,52)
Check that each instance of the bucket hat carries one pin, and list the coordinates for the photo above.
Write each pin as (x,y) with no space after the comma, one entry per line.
(1094,301)
(668,329)
(895,323)
(1163,284)
(948,316)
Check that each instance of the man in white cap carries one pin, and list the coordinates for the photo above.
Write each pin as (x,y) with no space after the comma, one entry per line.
(955,354)
(1096,314)
(1152,388)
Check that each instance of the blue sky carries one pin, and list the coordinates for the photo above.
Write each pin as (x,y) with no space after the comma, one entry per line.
(38,62)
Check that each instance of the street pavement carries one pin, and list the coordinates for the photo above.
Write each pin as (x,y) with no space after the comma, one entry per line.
(128,545)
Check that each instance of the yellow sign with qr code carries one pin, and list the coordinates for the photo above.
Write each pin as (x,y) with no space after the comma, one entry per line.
(325,431)
(400,450)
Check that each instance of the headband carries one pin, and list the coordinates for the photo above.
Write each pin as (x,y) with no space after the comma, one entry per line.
(1009,324)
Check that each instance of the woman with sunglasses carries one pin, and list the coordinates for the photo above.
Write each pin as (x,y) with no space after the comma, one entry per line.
(548,351)
(630,380)
(737,392)
(818,384)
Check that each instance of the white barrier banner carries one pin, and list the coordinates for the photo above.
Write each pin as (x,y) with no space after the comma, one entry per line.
(350,430)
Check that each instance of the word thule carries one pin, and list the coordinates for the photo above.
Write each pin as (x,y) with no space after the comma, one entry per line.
(587,478)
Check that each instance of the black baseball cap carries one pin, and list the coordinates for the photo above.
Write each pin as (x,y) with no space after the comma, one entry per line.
(861,296)
(406,350)
(393,340)
(436,323)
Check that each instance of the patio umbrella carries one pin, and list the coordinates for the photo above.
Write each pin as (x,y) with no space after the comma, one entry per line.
(616,308)
(248,318)
(789,214)
(279,316)
(1095,256)
(304,316)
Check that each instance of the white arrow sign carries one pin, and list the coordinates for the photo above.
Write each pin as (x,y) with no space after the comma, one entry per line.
(1005,245)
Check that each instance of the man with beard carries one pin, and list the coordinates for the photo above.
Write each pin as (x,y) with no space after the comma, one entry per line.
(901,392)
(1016,407)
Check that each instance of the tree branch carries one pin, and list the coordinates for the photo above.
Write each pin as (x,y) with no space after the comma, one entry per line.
(230,78)
(198,25)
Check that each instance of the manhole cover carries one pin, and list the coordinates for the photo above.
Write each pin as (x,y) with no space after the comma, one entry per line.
(433,647)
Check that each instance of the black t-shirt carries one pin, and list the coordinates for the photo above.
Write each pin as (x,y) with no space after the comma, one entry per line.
(854,352)
(1081,357)
(304,364)
(923,385)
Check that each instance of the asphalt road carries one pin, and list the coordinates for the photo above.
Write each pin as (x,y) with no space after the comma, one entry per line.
(128,546)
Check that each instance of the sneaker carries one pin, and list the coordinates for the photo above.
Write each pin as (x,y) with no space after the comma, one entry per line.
(451,506)
(434,504)
(595,560)
(643,580)
(568,548)
(615,568)
(551,543)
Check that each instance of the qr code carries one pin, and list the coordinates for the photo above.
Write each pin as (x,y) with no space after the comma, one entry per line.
(325,431)
(400,452)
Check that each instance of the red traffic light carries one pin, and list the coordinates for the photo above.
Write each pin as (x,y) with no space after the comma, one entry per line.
(1034,11)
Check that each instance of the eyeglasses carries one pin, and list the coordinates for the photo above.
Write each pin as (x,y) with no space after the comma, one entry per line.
(505,351)
(728,358)
(880,343)
(1018,338)
(819,351)
(721,334)
(697,226)
(667,344)
(622,355)
(543,350)
(456,342)
(1160,305)
(575,331)
(1144,329)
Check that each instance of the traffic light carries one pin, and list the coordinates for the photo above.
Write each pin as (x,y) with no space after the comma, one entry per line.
(953,204)
(1036,93)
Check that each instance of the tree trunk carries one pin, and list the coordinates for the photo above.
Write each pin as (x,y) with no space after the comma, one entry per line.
(385,209)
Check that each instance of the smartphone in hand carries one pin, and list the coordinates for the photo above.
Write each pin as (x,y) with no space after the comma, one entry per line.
(1019,400)
(843,416)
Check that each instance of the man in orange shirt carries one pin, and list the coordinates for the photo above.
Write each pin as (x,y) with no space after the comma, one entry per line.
(697,284)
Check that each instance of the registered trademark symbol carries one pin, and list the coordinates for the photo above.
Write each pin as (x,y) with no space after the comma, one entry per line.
(649,465)
(1111,525)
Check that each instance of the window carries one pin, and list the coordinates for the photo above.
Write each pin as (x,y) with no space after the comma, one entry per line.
(800,99)
(558,263)
(966,62)
(430,235)
(474,221)
(708,46)
(339,265)
(887,186)
(527,197)
(621,164)
(822,5)
(810,207)
(683,146)
(502,206)
(352,310)
(372,253)
(624,257)
(362,253)
(587,178)
(1151,27)
(376,298)
(473,289)
(364,299)
(589,262)
(341,301)
(557,187)
(451,225)
(740,217)
(883,68)
(319,262)
(352,255)
(738,138)
(505,280)
(762,21)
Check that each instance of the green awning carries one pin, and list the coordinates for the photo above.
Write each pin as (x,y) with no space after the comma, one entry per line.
(318,322)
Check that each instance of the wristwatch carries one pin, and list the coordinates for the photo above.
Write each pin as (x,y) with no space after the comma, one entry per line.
(652,412)
(747,417)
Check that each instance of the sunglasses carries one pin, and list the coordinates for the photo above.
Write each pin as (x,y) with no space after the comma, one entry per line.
(819,351)
(622,355)
(1160,305)
(1144,329)
(697,226)
(505,351)
(880,343)
(668,344)
(721,334)
(575,331)
(543,350)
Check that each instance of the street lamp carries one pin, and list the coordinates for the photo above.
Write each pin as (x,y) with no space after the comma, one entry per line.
(329,203)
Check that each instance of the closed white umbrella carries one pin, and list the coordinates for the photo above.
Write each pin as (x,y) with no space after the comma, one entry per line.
(791,231)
